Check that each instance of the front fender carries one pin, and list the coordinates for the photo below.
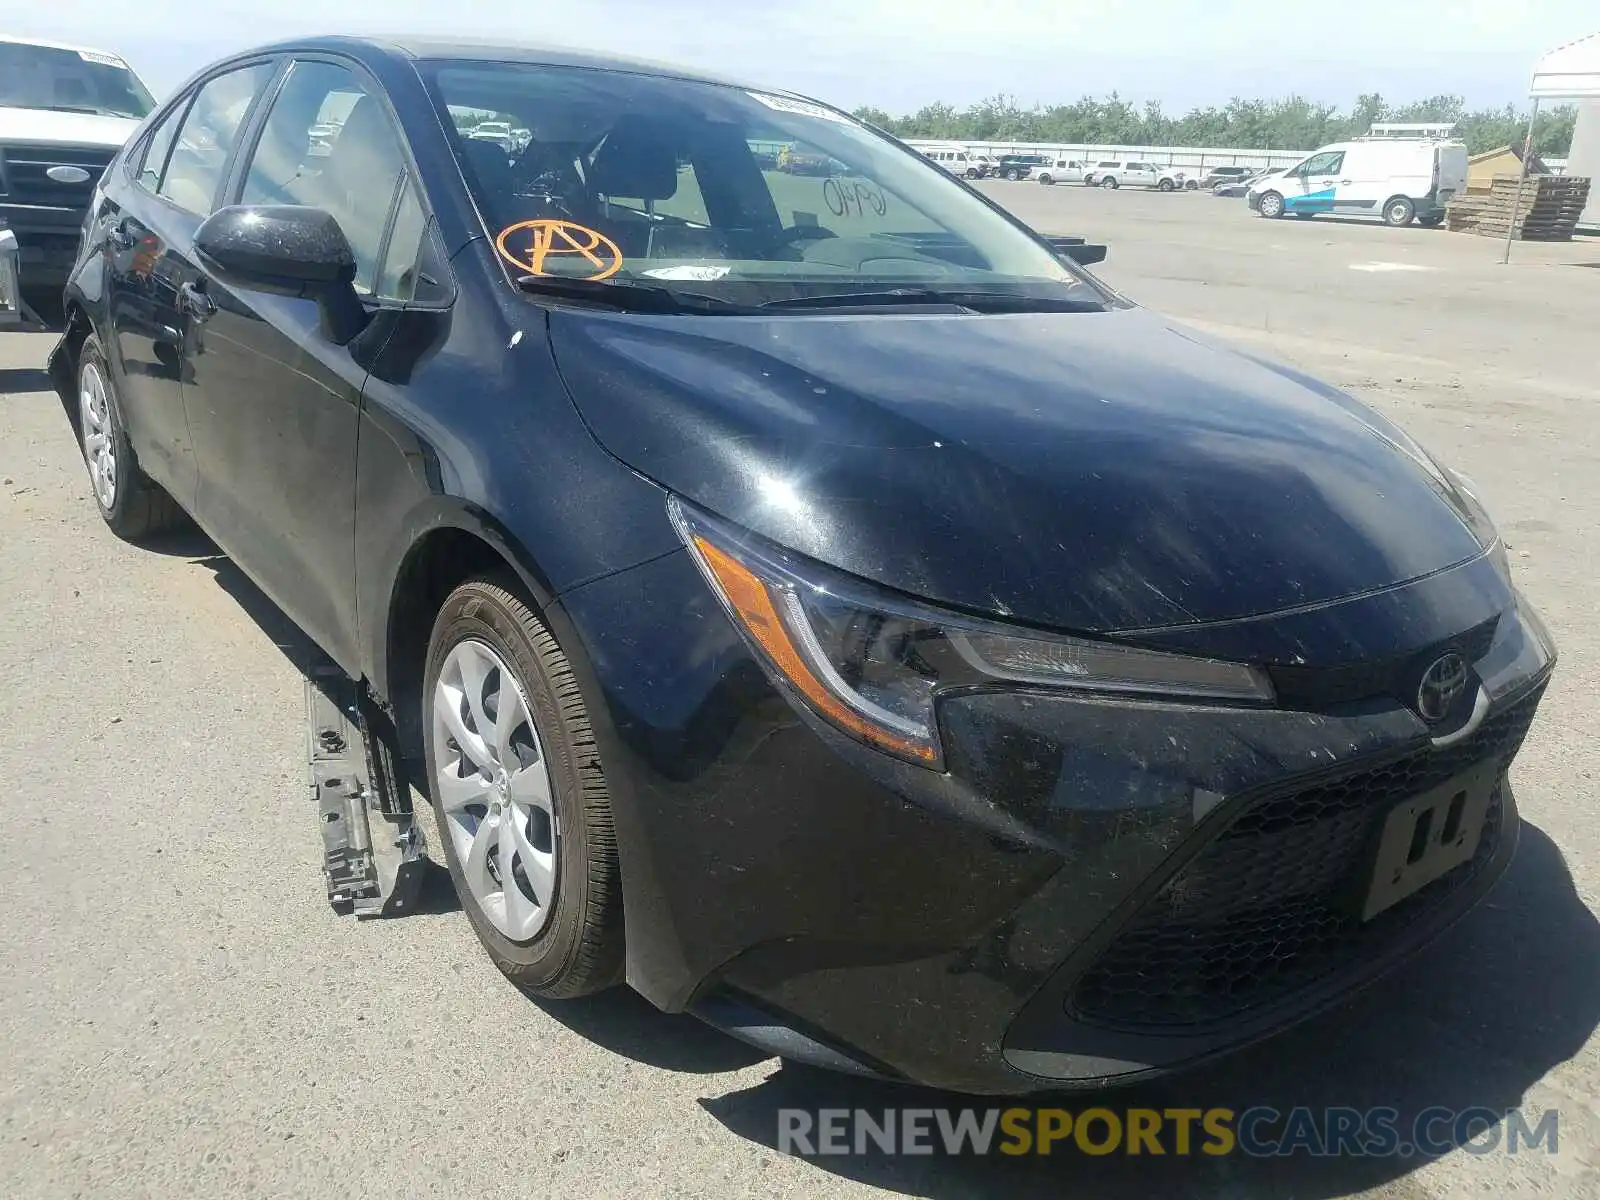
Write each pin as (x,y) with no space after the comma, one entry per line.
(391,566)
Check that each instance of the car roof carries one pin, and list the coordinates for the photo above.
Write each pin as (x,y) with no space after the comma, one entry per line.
(500,50)
(49,45)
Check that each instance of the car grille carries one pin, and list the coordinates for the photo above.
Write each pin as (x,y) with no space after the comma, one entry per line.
(24,177)
(1264,910)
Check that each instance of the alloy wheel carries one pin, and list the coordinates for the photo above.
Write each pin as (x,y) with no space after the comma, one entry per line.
(495,790)
(99,435)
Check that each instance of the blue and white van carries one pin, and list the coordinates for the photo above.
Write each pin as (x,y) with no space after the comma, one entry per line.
(1400,180)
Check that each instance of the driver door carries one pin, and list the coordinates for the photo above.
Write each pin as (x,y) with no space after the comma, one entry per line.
(273,402)
(1318,183)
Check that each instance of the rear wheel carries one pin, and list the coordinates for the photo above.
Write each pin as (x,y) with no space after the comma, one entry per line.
(133,505)
(1110,181)
(1399,211)
(519,794)
(1012,174)
(1191,185)
(1270,205)
(1047,180)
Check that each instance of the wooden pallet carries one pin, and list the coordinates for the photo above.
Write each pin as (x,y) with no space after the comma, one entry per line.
(1545,208)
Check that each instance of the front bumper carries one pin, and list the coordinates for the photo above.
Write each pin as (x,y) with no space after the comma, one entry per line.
(978,930)
(47,243)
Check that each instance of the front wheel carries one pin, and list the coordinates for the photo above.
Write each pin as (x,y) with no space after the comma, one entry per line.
(1399,211)
(1191,185)
(520,796)
(1166,185)
(1271,205)
(132,504)
(1110,181)
(1013,176)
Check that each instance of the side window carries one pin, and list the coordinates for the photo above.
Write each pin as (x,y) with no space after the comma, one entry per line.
(1326,163)
(206,138)
(328,143)
(397,276)
(157,146)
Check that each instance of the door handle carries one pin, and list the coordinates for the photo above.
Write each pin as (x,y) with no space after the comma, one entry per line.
(1344,183)
(196,301)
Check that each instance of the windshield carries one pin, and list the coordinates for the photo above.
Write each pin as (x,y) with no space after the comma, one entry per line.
(69,81)
(748,196)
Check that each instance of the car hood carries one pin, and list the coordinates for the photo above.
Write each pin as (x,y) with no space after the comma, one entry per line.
(63,128)
(1098,471)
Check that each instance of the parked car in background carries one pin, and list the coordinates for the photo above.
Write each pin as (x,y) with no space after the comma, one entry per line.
(1236,188)
(1062,170)
(953,159)
(498,132)
(1021,166)
(1399,179)
(64,112)
(1115,173)
(1213,176)
(800,162)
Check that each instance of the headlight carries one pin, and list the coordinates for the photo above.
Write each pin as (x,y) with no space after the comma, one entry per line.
(873,662)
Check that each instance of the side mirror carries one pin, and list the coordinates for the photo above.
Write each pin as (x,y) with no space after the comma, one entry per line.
(288,250)
(1078,250)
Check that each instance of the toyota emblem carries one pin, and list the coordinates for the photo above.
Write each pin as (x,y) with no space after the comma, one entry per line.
(1442,685)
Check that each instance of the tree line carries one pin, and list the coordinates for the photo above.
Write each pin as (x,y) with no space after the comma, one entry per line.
(1291,123)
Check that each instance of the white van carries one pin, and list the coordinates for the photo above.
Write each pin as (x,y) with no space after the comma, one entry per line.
(954,159)
(1399,179)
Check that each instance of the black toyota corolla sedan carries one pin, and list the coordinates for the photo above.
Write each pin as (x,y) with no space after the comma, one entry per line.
(808,599)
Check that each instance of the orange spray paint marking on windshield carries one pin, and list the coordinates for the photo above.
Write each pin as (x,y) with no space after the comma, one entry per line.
(547,237)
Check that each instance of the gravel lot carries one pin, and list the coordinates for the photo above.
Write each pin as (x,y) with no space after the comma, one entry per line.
(180,1013)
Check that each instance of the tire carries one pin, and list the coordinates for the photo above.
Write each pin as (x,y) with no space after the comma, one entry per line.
(1430,222)
(1110,181)
(1046,180)
(1012,175)
(1398,211)
(1191,185)
(972,174)
(568,941)
(133,505)
(1270,205)
(1166,185)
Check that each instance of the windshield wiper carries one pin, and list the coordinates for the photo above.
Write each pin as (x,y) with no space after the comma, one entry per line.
(625,294)
(975,301)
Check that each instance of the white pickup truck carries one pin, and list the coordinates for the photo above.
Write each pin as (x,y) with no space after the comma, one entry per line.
(64,111)
(1115,173)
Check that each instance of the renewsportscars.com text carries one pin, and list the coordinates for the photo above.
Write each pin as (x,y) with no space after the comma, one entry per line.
(1258,1132)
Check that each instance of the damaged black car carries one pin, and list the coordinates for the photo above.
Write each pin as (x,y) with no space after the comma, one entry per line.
(811,598)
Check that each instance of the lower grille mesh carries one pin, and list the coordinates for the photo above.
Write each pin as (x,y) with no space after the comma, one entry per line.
(1264,910)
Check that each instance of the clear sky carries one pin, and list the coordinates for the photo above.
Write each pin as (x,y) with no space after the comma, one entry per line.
(900,54)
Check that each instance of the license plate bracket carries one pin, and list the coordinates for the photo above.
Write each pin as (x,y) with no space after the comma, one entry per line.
(1428,835)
